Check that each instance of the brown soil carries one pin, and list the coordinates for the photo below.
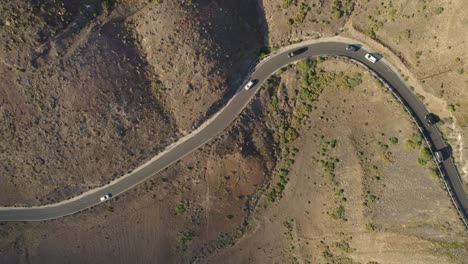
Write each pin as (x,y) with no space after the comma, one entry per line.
(427,37)
(88,98)
(413,220)
(422,38)
(89,93)
(203,195)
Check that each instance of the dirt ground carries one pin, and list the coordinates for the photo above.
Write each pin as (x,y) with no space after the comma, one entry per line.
(411,220)
(91,90)
(423,38)
(191,206)
(426,36)
(196,209)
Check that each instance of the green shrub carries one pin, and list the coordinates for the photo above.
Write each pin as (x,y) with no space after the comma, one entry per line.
(181,207)
(288,163)
(329,165)
(341,8)
(370,227)
(283,172)
(332,143)
(339,213)
(451,108)
(438,10)
(344,246)
(286,3)
(425,156)
(434,172)
(301,13)
(413,142)
(393,140)
(264,51)
(274,101)
(350,82)
(336,9)
(184,238)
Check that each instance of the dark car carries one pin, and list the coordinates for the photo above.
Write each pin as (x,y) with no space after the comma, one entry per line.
(296,52)
(351,48)
(431,119)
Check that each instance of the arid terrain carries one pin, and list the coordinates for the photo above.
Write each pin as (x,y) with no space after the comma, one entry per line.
(81,106)
(324,166)
(423,38)
(371,205)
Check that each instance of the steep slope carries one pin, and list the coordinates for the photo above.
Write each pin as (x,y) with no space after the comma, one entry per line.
(92,90)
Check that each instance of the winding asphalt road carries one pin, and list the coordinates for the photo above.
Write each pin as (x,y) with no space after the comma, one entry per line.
(221,120)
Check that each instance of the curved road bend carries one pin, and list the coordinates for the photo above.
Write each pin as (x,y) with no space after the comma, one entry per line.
(225,117)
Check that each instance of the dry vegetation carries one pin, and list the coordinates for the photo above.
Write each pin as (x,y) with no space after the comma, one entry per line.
(428,37)
(355,193)
(323,167)
(423,38)
(91,91)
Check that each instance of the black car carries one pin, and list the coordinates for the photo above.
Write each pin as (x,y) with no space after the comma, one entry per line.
(297,52)
(351,48)
(431,118)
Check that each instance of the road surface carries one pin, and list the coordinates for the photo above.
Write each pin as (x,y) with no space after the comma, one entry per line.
(221,120)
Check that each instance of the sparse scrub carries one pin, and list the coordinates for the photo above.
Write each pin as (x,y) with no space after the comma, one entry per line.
(288,163)
(350,82)
(373,28)
(341,8)
(287,122)
(413,142)
(329,165)
(264,51)
(370,227)
(434,172)
(438,10)
(339,213)
(181,207)
(393,140)
(184,239)
(286,3)
(344,246)
(451,108)
(418,54)
(301,13)
(425,156)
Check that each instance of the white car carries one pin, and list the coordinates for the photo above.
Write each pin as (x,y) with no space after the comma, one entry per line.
(105,197)
(249,85)
(370,58)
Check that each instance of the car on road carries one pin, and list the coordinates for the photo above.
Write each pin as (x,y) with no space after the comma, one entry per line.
(249,85)
(351,48)
(431,119)
(297,52)
(105,197)
(439,156)
(370,58)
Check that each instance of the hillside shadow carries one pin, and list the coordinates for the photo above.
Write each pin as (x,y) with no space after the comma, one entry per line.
(247,34)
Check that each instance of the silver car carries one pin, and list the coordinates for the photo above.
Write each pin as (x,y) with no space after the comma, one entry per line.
(249,85)
(370,58)
(439,157)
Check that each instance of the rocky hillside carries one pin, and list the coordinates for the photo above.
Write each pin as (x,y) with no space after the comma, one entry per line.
(90,90)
